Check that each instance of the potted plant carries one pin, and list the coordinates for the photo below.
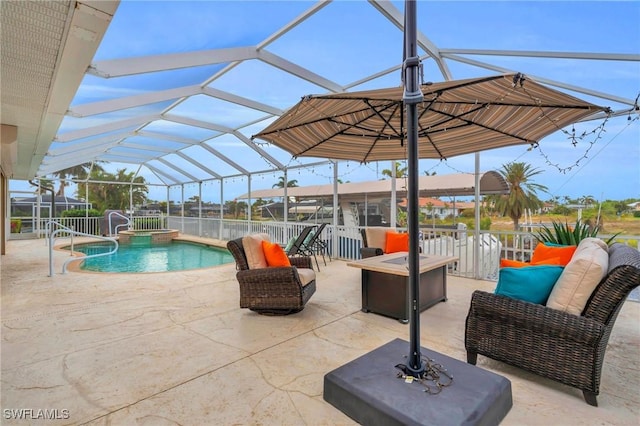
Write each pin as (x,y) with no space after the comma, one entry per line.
(16,226)
(564,234)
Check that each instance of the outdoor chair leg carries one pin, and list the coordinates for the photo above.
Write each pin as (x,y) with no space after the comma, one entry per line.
(472,358)
(591,398)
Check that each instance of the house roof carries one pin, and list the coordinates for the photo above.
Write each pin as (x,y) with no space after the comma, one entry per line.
(460,184)
(425,202)
(46,198)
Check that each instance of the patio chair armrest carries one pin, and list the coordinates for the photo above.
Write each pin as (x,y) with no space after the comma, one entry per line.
(265,277)
(370,252)
(301,261)
(535,318)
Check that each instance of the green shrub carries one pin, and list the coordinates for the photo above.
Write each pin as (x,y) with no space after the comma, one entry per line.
(636,213)
(81,213)
(563,233)
(561,211)
(468,213)
(485,223)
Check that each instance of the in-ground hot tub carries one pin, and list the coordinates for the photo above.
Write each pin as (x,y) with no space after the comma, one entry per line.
(152,236)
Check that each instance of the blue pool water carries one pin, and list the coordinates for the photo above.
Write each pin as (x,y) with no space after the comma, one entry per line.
(174,256)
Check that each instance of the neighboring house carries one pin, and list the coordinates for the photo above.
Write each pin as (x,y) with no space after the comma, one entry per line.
(439,208)
(21,207)
(369,203)
(208,209)
(304,210)
(634,206)
(546,207)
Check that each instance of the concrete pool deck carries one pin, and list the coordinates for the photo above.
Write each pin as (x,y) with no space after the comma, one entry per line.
(175,348)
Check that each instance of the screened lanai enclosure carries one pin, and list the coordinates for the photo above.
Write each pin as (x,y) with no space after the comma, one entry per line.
(173,93)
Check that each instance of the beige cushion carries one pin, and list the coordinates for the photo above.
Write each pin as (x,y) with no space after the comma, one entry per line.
(306,275)
(377,236)
(580,277)
(253,250)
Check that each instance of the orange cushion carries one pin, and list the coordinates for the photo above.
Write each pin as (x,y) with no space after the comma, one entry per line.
(508,263)
(274,254)
(543,252)
(396,241)
(558,261)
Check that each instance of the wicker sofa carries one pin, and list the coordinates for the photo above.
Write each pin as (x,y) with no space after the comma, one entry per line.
(272,290)
(551,343)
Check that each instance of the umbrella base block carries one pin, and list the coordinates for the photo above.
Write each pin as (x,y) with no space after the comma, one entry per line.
(369,391)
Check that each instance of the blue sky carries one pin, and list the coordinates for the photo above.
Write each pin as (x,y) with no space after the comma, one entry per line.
(348,40)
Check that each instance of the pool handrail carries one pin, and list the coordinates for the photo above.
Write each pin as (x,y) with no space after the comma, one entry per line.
(72,232)
(122,225)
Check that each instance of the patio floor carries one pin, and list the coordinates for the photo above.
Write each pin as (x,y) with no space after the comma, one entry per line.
(174,348)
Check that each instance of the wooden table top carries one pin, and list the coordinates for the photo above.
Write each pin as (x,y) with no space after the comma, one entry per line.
(398,263)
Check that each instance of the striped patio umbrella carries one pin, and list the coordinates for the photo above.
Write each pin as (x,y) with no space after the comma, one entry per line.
(455,118)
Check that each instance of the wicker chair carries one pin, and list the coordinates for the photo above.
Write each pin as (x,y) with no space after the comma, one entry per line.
(367,250)
(271,291)
(563,347)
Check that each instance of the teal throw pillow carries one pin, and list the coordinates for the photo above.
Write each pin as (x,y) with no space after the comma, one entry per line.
(531,283)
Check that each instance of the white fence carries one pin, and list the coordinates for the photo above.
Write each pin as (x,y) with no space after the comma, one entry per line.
(345,242)
(88,225)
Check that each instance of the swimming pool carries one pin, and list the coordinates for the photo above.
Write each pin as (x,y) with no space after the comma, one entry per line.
(173,256)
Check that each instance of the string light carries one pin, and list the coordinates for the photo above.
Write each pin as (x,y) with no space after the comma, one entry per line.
(311,169)
(575,140)
(446,163)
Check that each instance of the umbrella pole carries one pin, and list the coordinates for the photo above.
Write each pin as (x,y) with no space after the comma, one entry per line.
(412,96)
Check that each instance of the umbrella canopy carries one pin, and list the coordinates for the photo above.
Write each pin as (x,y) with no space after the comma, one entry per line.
(455,118)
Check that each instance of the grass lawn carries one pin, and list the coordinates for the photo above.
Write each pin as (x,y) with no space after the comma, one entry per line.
(625,225)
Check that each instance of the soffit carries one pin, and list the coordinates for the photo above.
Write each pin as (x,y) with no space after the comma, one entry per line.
(46,48)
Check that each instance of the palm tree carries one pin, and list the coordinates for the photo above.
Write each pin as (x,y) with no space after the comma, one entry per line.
(43,185)
(522,191)
(400,171)
(120,193)
(255,207)
(587,200)
(290,184)
(115,196)
(79,171)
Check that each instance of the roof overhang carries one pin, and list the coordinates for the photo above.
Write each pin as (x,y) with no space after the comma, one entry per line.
(46,50)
